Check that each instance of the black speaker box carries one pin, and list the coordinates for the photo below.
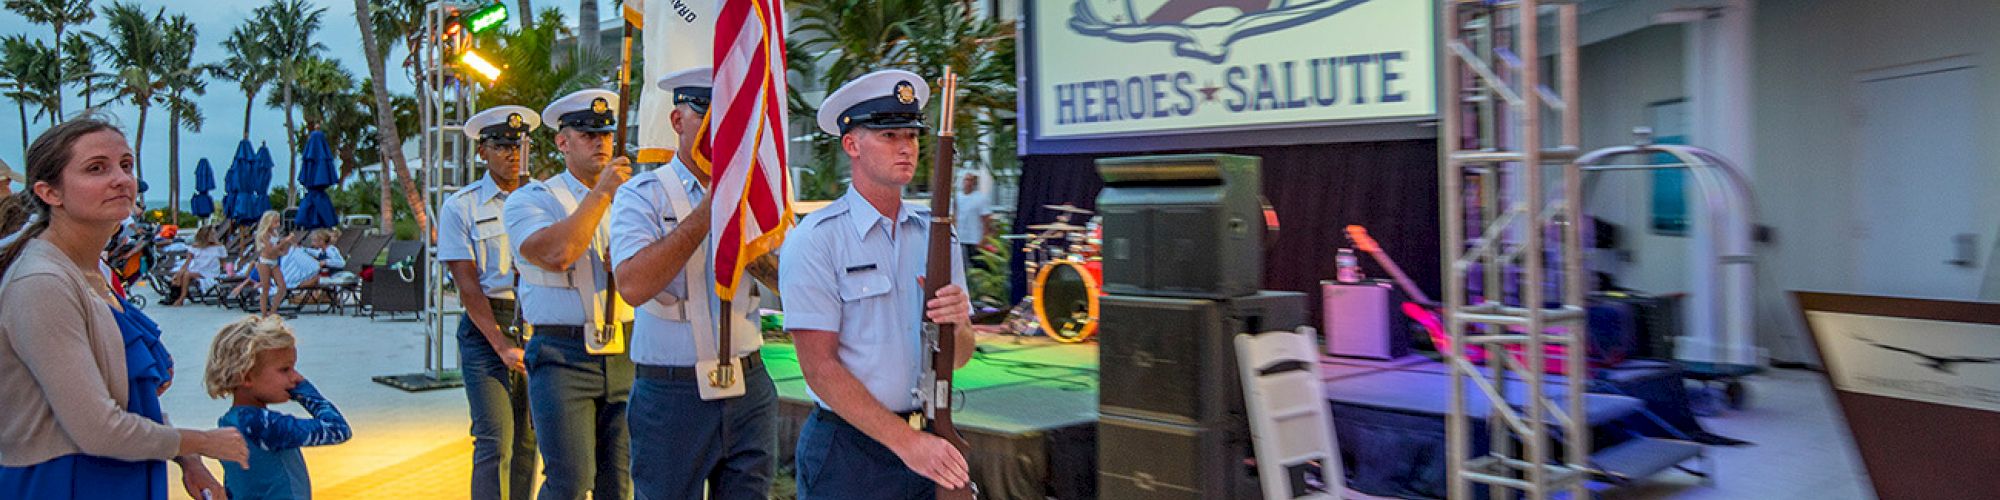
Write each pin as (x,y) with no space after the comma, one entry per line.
(1143,459)
(1182,225)
(1173,360)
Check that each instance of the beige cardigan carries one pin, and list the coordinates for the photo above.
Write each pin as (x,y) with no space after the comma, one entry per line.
(62,369)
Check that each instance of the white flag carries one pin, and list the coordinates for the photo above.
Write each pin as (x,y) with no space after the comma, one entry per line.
(678,35)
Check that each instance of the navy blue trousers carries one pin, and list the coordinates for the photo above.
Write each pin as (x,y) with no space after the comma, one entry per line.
(836,461)
(683,447)
(578,402)
(503,439)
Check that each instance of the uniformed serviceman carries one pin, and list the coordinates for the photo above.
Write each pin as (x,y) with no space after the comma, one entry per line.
(558,230)
(689,438)
(472,243)
(851,276)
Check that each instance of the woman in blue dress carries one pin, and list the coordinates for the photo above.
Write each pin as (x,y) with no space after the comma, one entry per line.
(81,370)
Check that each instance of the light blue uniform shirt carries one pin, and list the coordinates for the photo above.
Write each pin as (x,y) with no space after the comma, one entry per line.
(849,270)
(532,209)
(470,228)
(641,215)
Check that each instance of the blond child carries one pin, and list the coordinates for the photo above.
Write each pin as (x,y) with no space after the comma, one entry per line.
(251,362)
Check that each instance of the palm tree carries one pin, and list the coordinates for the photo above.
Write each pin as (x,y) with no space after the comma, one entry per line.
(249,65)
(322,83)
(80,66)
(59,14)
(348,123)
(133,50)
(30,68)
(181,79)
(388,138)
(38,74)
(527,15)
(288,28)
(837,40)
(11,86)
(404,20)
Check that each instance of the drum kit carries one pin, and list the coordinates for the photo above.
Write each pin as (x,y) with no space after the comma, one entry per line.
(1062,259)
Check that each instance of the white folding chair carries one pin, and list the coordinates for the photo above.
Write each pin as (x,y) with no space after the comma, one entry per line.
(1297,456)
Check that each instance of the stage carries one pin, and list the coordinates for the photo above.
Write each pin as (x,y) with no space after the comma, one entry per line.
(1028,405)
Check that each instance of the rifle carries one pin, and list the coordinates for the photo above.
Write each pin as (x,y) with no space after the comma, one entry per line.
(942,339)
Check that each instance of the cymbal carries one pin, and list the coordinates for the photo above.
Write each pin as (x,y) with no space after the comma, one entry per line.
(1066,208)
(1056,226)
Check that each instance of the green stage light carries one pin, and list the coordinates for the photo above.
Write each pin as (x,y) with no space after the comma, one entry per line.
(486,17)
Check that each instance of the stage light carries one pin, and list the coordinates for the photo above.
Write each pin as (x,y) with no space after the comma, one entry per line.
(486,17)
(479,64)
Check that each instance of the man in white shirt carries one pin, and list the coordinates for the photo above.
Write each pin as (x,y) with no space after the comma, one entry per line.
(973,210)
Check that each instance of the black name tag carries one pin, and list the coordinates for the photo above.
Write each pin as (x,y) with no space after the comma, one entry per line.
(860,268)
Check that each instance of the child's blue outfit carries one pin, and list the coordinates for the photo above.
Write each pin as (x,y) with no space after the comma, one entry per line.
(277,469)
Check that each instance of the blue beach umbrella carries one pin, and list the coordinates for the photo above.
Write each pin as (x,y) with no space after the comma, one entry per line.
(316,173)
(255,195)
(204,181)
(234,181)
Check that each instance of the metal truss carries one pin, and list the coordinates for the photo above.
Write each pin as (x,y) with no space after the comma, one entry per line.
(1506,138)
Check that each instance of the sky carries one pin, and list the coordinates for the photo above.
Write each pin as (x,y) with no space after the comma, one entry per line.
(224,102)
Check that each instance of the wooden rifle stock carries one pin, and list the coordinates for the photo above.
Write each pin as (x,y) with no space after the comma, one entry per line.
(943,338)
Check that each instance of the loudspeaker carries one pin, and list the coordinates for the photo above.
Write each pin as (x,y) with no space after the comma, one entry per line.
(1182,225)
(1172,360)
(1147,460)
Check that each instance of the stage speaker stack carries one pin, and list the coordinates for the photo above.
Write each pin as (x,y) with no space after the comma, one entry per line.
(1182,269)
(1182,226)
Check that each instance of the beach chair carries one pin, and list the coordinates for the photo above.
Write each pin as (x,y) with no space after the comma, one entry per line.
(398,286)
(361,256)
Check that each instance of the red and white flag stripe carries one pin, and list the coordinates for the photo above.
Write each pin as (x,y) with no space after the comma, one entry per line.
(753,189)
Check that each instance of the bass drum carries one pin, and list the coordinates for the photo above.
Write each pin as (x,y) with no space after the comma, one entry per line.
(1065,298)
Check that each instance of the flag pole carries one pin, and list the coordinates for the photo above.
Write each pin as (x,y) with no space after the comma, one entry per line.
(611,323)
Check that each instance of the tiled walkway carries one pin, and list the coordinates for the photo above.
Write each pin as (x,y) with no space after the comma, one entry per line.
(405,445)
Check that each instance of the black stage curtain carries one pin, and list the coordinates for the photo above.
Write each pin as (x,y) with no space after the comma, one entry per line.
(1391,188)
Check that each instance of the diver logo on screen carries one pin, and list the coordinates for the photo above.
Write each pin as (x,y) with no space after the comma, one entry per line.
(1199,29)
(1941,364)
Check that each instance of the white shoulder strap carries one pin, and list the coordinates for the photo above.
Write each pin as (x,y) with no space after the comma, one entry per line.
(700,287)
(665,305)
(582,277)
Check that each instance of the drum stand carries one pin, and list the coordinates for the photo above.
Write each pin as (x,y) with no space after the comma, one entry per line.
(1050,245)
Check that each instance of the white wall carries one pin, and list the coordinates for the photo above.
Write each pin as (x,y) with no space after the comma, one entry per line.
(1620,77)
(1809,53)
(1807,56)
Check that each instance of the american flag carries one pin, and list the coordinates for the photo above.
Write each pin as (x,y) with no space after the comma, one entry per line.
(753,191)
